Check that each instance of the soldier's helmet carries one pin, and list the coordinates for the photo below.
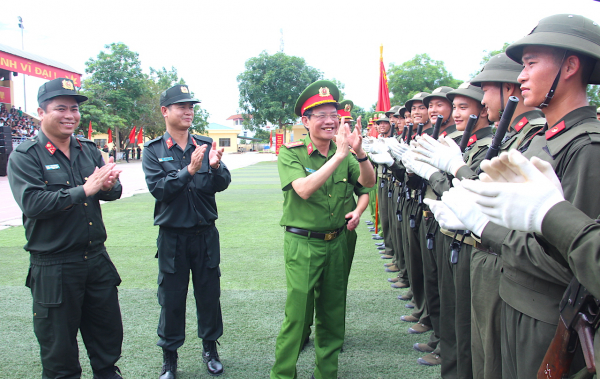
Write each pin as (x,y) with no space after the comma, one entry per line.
(499,69)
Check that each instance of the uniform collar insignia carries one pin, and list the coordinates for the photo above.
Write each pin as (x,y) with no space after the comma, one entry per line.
(472,140)
(169,143)
(310,148)
(555,130)
(444,134)
(521,124)
(194,142)
(50,147)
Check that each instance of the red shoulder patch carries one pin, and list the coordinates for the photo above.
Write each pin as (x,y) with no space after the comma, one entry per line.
(169,143)
(293,144)
(555,130)
(50,147)
(472,140)
(521,124)
(310,148)
(444,134)
(194,142)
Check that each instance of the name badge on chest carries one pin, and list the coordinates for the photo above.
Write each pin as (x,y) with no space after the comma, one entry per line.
(52,167)
(165,159)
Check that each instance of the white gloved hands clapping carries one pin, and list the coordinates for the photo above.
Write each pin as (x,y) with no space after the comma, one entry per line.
(420,168)
(462,203)
(382,158)
(444,154)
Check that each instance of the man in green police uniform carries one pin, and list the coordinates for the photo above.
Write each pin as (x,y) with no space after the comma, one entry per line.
(314,174)
(58,181)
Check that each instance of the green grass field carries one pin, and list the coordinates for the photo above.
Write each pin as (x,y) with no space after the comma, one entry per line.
(253,294)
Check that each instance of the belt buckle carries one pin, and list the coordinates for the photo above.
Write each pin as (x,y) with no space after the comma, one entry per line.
(330,236)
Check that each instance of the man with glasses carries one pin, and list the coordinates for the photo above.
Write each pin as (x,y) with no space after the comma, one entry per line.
(315,174)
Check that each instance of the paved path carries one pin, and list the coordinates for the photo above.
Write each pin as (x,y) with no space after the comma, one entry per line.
(132,179)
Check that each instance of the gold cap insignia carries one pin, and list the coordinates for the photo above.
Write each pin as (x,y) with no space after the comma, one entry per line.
(67,84)
(348,108)
(324,92)
(184,89)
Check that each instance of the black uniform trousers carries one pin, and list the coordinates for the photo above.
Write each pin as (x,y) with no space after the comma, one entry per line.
(180,251)
(71,297)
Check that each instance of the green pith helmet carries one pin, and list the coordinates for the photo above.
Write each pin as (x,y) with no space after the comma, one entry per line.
(392,111)
(438,92)
(381,117)
(318,93)
(400,112)
(418,97)
(345,109)
(468,90)
(564,31)
(499,69)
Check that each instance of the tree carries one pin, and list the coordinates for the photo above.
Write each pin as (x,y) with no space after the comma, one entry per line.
(115,85)
(269,88)
(593,95)
(417,75)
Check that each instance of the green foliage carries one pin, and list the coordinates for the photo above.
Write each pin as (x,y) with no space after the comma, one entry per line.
(419,74)
(487,55)
(270,86)
(593,95)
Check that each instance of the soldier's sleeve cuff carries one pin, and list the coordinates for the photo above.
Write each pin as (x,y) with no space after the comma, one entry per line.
(465,172)
(493,236)
(562,234)
(185,175)
(77,194)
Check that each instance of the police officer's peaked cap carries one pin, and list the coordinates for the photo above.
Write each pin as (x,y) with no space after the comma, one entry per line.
(345,109)
(318,93)
(179,93)
(501,69)
(418,97)
(468,90)
(59,87)
(400,112)
(438,92)
(393,110)
(564,31)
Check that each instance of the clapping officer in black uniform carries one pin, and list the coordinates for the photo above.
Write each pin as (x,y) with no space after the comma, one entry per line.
(183,172)
(58,181)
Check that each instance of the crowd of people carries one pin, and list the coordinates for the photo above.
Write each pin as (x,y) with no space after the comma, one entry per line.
(21,125)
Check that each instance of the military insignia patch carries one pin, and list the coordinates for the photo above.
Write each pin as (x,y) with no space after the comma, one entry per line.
(310,148)
(555,130)
(521,124)
(324,92)
(184,89)
(348,108)
(169,143)
(472,140)
(50,147)
(67,84)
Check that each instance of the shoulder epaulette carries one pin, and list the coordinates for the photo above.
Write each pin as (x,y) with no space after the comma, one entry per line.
(293,144)
(202,138)
(26,145)
(540,121)
(82,139)
(153,140)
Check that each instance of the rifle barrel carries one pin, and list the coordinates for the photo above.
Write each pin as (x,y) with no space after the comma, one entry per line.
(503,125)
(467,133)
(437,127)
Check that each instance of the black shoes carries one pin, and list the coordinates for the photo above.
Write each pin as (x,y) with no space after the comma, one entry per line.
(211,358)
(109,373)
(169,367)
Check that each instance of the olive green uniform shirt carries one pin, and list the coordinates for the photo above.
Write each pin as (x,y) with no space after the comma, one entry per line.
(325,209)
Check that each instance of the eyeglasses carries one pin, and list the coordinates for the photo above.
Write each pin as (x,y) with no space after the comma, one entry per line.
(323,116)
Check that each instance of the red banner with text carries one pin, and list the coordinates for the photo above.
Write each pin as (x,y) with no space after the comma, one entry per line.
(24,66)
(278,142)
(5,95)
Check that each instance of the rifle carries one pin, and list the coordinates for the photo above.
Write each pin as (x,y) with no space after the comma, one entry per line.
(437,127)
(467,133)
(579,317)
(503,125)
(420,129)
(409,135)
(404,131)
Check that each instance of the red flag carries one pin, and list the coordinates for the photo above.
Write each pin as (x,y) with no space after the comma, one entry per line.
(132,135)
(109,135)
(141,135)
(90,130)
(383,100)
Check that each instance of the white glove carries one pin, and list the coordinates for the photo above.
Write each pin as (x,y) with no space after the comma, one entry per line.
(444,154)
(379,147)
(444,216)
(420,168)
(389,142)
(522,195)
(462,203)
(383,158)
(398,150)
(367,147)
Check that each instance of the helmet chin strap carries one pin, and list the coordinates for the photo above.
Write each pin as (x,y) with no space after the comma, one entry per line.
(501,99)
(550,93)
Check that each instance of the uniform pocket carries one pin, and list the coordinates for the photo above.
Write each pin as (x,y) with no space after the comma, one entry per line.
(167,251)
(213,248)
(46,285)
(341,187)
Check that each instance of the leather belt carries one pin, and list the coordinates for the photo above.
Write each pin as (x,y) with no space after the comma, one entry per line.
(427,214)
(310,234)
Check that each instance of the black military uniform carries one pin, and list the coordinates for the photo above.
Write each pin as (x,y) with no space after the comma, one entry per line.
(72,279)
(188,239)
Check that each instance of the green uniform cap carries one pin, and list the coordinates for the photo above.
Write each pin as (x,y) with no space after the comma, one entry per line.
(177,94)
(318,93)
(59,87)
(381,117)
(438,92)
(468,90)
(418,97)
(345,109)
(564,31)
(400,112)
(500,69)
(392,112)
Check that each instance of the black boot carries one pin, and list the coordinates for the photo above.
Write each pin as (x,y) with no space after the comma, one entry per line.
(108,373)
(211,358)
(169,367)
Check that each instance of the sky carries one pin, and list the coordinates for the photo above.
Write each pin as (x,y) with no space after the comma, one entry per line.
(208,42)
